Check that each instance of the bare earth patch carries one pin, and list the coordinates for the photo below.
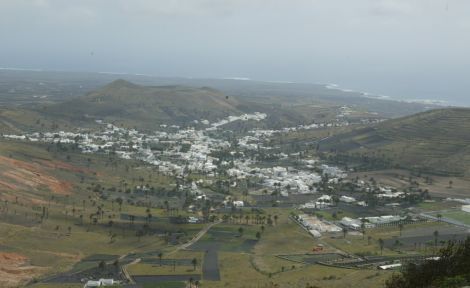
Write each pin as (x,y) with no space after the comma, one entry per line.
(15,270)
(20,175)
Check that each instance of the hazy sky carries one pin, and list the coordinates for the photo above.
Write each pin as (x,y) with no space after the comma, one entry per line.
(403,48)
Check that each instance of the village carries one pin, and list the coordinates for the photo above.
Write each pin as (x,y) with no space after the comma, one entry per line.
(247,159)
(229,174)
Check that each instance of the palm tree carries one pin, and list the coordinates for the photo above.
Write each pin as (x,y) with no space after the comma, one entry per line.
(167,206)
(139,234)
(381,244)
(345,231)
(363,229)
(400,227)
(160,255)
(194,262)
(101,265)
(368,239)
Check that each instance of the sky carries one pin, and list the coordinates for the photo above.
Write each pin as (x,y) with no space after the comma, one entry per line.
(407,49)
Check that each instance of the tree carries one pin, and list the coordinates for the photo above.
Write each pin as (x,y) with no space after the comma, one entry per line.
(449,270)
(139,233)
(345,231)
(258,235)
(381,244)
(400,227)
(194,262)
(240,230)
(167,206)
(160,256)
(439,217)
(363,229)
(102,265)
(436,235)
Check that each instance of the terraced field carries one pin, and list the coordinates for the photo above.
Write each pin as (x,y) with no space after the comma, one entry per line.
(436,141)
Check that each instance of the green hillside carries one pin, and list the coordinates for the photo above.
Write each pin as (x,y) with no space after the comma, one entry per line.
(145,106)
(436,141)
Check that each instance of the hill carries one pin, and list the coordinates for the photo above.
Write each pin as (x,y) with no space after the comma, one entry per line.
(436,141)
(145,106)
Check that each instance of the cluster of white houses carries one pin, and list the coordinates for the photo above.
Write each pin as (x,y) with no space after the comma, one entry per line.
(316,226)
(175,150)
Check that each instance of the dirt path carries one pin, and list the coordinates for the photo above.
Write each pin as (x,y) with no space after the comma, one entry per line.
(126,273)
(195,238)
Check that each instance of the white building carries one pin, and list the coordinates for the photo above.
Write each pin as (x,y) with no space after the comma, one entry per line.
(384,219)
(351,223)
(323,202)
(347,199)
(92,283)
(238,204)
(466,208)
(314,233)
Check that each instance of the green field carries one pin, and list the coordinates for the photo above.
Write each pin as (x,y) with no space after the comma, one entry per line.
(460,216)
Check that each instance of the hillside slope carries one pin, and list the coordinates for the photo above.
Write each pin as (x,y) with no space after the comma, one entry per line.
(436,141)
(145,106)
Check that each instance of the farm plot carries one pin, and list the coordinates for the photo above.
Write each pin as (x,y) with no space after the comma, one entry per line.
(97,272)
(149,279)
(461,216)
(313,258)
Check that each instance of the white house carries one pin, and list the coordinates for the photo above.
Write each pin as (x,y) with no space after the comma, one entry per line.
(238,204)
(107,282)
(347,199)
(92,283)
(390,266)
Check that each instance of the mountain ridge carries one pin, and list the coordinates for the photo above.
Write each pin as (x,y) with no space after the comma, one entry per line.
(145,106)
(435,141)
